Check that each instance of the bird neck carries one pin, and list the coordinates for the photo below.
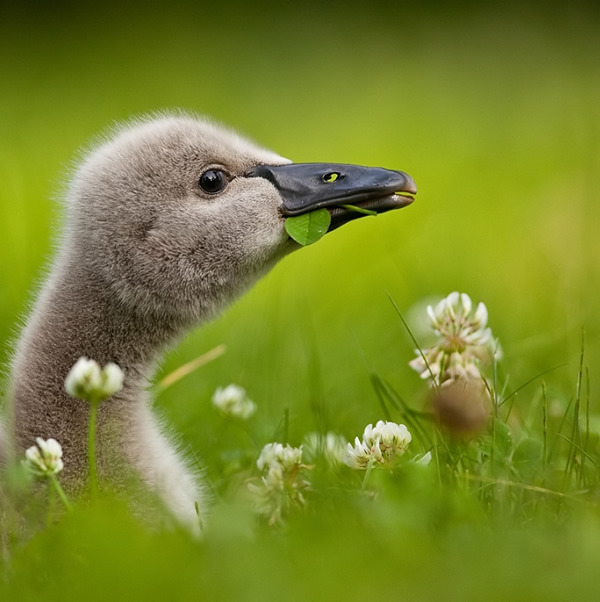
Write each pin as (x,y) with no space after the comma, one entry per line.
(76,315)
(79,315)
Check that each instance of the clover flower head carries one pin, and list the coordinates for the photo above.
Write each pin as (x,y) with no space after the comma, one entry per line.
(464,344)
(283,457)
(232,401)
(45,458)
(281,485)
(454,319)
(381,444)
(362,456)
(87,381)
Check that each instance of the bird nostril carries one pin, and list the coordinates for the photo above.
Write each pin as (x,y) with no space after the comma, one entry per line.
(332,176)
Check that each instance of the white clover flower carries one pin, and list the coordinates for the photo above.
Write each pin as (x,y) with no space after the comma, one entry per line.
(464,344)
(391,435)
(362,455)
(281,486)
(233,401)
(113,379)
(45,458)
(86,380)
(330,445)
(381,445)
(283,457)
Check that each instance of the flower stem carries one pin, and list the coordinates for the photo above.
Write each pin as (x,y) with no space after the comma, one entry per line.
(92,468)
(51,504)
(61,492)
(370,465)
(359,209)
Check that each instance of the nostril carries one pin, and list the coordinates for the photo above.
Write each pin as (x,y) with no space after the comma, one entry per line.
(332,176)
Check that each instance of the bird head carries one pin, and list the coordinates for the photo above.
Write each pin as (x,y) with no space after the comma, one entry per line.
(178,215)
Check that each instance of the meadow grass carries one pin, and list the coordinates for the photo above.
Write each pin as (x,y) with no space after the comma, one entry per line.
(494,113)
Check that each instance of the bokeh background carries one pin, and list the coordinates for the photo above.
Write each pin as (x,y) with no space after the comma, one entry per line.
(494,109)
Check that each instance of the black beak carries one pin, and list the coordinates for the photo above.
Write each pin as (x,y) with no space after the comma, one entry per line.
(305,187)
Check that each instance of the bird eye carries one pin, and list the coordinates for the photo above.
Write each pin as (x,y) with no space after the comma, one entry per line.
(213,181)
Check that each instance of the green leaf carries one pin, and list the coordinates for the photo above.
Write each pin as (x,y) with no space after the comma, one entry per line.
(308,227)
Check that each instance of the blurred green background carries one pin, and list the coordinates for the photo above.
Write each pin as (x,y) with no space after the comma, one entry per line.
(493,109)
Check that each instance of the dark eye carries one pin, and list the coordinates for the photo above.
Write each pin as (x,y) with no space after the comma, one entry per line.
(213,181)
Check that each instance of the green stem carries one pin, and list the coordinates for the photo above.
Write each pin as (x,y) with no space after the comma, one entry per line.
(359,209)
(93,471)
(370,465)
(61,493)
(51,504)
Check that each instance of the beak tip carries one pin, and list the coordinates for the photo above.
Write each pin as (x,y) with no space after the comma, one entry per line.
(410,187)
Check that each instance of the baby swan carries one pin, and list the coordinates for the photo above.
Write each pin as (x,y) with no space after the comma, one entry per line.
(166,223)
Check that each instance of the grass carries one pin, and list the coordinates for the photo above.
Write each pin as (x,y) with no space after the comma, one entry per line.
(494,113)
